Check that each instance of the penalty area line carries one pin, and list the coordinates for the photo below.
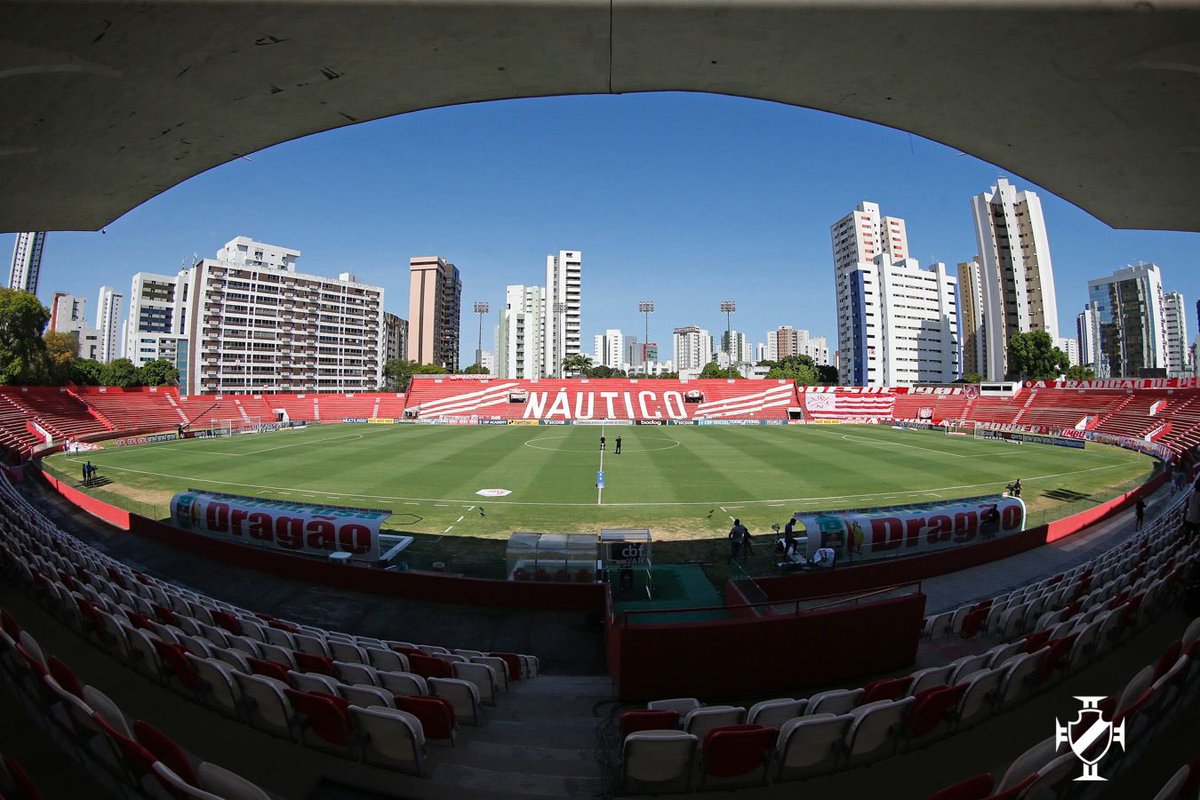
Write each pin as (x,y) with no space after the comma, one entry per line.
(448,529)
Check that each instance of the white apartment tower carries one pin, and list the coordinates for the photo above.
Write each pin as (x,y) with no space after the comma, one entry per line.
(563,309)
(611,349)
(1129,322)
(1175,318)
(971,329)
(1015,272)
(108,323)
(904,324)
(693,349)
(859,238)
(258,325)
(1085,332)
(27,261)
(520,339)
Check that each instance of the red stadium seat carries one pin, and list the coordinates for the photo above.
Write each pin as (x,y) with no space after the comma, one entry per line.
(733,750)
(885,689)
(269,669)
(435,713)
(931,708)
(164,748)
(429,666)
(322,715)
(64,675)
(513,661)
(308,662)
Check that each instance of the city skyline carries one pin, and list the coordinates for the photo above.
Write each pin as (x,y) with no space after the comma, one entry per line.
(667,199)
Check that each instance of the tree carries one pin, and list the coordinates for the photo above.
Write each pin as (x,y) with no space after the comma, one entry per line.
(970,377)
(800,369)
(23,357)
(604,371)
(62,349)
(475,369)
(827,375)
(120,372)
(1079,372)
(711,370)
(1033,356)
(576,364)
(158,373)
(86,372)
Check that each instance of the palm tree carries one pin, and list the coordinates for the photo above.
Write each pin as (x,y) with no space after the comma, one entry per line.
(576,364)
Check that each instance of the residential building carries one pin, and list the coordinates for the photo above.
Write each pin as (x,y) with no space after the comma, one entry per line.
(520,337)
(157,324)
(1070,346)
(108,323)
(563,309)
(258,325)
(787,341)
(68,314)
(1085,328)
(395,337)
(1175,319)
(487,360)
(859,238)
(905,324)
(27,261)
(971,329)
(434,311)
(1129,324)
(736,347)
(611,349)
(1015,271)
(693,348)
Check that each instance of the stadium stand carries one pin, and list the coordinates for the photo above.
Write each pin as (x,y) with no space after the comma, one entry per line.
(58,411)
(133,409)
(602,398)
(941,404)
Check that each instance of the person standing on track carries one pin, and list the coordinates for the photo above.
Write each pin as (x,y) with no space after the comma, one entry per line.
(617,451)
(601,444)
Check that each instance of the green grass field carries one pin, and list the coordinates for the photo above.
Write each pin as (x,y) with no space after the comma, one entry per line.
(681,482)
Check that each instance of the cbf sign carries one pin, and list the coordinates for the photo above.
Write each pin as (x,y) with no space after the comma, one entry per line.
(280,524)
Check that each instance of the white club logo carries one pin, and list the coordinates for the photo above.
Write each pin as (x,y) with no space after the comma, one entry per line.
(1090,736)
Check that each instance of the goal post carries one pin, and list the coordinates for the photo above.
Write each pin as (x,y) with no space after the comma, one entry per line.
(235,425)
(957,427)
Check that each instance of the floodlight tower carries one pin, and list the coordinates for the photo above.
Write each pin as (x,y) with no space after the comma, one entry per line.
(727,308)
(646,307)
(481,308)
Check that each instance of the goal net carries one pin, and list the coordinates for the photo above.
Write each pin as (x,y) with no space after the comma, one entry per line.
(229,427)
(957,427)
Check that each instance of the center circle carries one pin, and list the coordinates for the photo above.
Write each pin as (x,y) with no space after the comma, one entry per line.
(670,443)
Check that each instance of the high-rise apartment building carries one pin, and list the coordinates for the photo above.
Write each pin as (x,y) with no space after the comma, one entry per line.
(1015,272)
(395,337)
(611,349)
(972,332)
(27,261)
(859,238)
(693,349)
(1175,319)
(787,341)
(520,337)
(736,347)
(1129,322)
(434,311)
(564,308)
(1085,333)
(108,323)
(157,325)
(258,325)
(905,324)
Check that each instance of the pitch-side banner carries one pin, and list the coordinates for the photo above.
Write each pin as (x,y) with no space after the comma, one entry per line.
(867,534)
(280,524)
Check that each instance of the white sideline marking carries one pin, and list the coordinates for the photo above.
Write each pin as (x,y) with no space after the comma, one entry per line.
(448,529)
(283,446)
(460,519)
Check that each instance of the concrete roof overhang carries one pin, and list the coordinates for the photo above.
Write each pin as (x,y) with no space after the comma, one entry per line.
(107,104)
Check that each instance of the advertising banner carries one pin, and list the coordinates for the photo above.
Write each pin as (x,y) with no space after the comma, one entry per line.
(307,528)
(522,422)
(381,421)
(355,419)
(874,533)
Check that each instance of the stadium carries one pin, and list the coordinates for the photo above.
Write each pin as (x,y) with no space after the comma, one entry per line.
(467,471)
(448,593)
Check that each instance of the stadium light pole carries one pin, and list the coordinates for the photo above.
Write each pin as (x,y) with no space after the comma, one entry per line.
(481,308)
(646,307)
(560,334)
(727,308)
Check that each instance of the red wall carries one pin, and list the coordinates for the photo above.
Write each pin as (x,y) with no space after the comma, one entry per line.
(114,516)
(728,658)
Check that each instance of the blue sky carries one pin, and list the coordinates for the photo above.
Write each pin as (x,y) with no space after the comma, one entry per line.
(683,199)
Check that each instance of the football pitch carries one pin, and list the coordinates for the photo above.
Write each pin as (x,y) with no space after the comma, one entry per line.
(681,482)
